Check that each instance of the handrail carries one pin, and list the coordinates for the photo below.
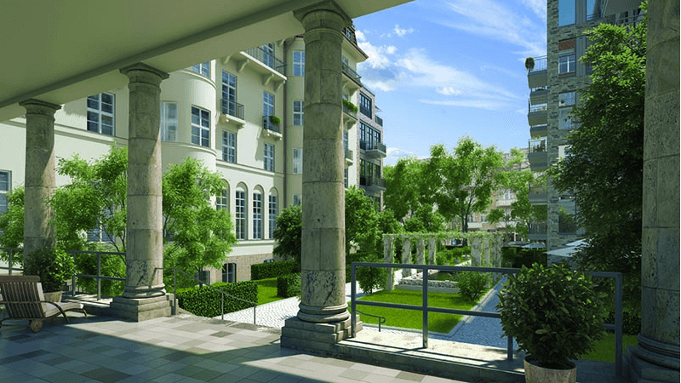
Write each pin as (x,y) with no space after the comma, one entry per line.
(381,319)
(222,308)
(99,275)
(10,260)
(425,309)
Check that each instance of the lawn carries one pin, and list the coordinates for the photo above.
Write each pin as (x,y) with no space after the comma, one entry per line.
(605,348)
(267,290)
(437,322)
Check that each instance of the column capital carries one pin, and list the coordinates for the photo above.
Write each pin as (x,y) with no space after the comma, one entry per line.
(137,70)
(35,106)
(328,6)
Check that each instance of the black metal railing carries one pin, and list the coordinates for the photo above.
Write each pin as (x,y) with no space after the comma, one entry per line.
(268,59)
(537,146)
(269,125)
(232,108)
(426,309)
(11,251)
(99,277)
(378,120)
(351,73)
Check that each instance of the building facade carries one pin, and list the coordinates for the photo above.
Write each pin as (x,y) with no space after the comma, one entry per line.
(554,81)
(241,115)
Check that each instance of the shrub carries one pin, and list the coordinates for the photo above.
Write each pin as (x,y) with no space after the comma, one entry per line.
(517,258)
(53,266)
(554,313)
(631,322)
(206,302)
(273,269)
(472,284)
(371,278)
(288,285)
(111,266)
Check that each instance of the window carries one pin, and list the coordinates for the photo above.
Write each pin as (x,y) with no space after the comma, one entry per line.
(566,99)
(272,215)
(229,146)
(566,102)
(345,139)
(593,9)
(368,136)
(240,218)
(222,200)
(202,69)
(297,199)
(203,276)
(100,113)
(299,63)
(168,121)
(566,64)
(268,156)
(345,177)
(566,12)
(229,94)
(297,160)
(257,215)
(200,127)
(229,272)
(5,183)
(298,113)
(268,55)
(365,105)
(268,104)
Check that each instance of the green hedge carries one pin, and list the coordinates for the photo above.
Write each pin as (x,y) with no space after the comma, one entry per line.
(273,269)
(206,302)
(517,257)
(288,285)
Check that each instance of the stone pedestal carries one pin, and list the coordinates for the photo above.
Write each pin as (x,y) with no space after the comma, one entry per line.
(319,337)
(323,309)
(656,357)
(40,177)
(139,310)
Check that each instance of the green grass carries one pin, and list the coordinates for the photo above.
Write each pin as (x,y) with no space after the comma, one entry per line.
(267,290)
(437,322)
(605,348)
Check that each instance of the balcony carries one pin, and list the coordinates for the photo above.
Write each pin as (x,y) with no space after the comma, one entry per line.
(539,96)
(539,131)
(536,77)
(271,69)
(375,150)
(538,194)
(351,79)
(372,183)
(537,155)
(537,114)
(537,231)
(379,121)
(349,114)
(271,128)
(232,112)
(349,156)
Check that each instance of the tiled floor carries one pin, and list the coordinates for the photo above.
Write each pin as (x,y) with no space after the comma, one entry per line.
(179,349)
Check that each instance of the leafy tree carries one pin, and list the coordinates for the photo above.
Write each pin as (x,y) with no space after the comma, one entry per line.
(604,168)
(202,235)
(425,220)
(404,191)
(288,233)
(361,221)
(12,225)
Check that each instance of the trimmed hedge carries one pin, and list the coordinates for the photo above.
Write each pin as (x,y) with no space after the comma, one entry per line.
(288,285)
(273,269)
(517,257)
(206,302)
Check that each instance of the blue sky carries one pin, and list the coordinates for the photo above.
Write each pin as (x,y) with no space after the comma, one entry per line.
(442,70)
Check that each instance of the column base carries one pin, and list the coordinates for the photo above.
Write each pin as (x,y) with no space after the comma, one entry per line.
(316,337)
(647,366)
(139,310)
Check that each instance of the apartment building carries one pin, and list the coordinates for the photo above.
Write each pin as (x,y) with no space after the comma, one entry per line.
(241,115)
(554,81)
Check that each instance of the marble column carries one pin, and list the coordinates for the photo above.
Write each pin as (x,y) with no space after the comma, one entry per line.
(40,177)
(323,299)
(144,296)
(388,257)
(406,257)
(432,248)
(656,357)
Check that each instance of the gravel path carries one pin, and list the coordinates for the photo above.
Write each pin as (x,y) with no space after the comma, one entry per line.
(474,330)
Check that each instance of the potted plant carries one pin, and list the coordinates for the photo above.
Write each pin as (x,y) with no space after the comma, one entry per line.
(350,106)
(529,63)
(555,314)
(274,120)
(54,267)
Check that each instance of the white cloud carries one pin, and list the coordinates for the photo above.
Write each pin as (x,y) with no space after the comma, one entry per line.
(538,7)
(448,91)
(402,31)
(494,20)
(393,154)
(378,55)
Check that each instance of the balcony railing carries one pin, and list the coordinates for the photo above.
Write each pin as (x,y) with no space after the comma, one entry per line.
(531,108)
(351,73)
(349,155)
(379,121)
(539,64)
(373,182)
(537,146)
(267,59)
(537,228)
(269,125)
(232,108)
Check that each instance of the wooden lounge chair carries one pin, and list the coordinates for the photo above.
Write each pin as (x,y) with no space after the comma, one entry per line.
(23,299)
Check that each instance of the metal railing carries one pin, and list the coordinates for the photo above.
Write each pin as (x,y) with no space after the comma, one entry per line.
(232,108)
(269,125)
(378,120)
(99,275)
(10,259)
(268,59)
(537,228)
(531,108)
(351,73)
(537,146)
(223,293)
(425,309)
(539,64)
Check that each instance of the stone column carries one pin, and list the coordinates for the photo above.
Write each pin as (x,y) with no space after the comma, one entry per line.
(40,178)
(144,297)
(388,256)
(323,318)
(421,252)
(656,357)
(431,251)
(475,251)
(406,257)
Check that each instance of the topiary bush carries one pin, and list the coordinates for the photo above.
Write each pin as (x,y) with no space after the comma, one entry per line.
(273,269)
(288,285)
(472,284)
(53,266)
(206,302)
(554,313)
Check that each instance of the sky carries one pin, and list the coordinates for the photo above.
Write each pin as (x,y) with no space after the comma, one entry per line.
(442,70)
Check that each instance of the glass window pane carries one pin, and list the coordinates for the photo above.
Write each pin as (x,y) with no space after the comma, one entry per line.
(566,12)
(107,98)
(92,102)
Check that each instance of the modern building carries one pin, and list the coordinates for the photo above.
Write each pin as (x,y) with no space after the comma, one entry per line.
(554,81)
(242,116)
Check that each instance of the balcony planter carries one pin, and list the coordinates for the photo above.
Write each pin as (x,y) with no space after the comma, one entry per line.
(556,315)
(274,120)
(350,106)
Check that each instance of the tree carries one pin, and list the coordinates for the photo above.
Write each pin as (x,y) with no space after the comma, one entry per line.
(361,221)
(288,233)
(202,235)
(404,192)
(12,225)
(604,168)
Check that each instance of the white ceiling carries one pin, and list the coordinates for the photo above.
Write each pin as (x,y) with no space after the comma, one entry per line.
(62,50)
